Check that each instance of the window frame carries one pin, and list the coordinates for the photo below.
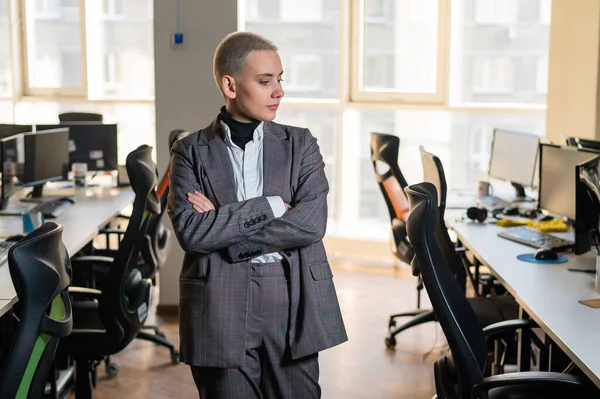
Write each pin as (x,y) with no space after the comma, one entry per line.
(52,92)
(357,55)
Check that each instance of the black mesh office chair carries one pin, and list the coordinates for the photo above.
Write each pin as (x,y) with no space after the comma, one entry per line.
(80,117)
(40,270)
(461,375)
(106,320)
(489,309)
(155,249)
(391,181)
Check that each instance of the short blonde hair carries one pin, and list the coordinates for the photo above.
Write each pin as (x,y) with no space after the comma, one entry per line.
(231,53)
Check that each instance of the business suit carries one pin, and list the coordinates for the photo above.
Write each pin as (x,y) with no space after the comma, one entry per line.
(214,280)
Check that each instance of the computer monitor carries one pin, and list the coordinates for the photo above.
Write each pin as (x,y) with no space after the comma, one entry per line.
(7,130)
(513,158)
(92,143)
(46,158)
(587,205)
(12,154)
(557,178)
(584,144)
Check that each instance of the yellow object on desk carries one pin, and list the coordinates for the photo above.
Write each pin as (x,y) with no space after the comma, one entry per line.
(549,226)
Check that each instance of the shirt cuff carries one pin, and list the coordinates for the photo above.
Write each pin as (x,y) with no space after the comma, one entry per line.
(277,205)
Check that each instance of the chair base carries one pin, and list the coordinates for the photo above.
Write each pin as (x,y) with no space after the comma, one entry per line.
(159,338)
(419,317)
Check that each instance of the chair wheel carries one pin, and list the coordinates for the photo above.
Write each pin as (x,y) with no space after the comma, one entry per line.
(112,369)
(175,356)
(390,342)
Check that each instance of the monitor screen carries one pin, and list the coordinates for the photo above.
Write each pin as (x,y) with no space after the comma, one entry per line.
(42,165)
(557,178)
(587,204)
(513,157)
(92,143)
(12,152)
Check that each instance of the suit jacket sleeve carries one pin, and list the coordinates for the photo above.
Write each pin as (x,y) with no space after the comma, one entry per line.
(214,230)
(302,225)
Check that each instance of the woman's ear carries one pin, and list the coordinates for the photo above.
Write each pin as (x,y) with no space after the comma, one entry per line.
(228,85)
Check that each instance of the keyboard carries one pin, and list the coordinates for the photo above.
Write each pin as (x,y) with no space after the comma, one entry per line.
(53,209)
(4,247)
(492,203)
(534,238)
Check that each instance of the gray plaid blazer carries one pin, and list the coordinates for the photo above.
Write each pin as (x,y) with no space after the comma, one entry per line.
(219,244)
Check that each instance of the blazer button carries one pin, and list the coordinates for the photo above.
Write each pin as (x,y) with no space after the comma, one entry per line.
(246,225)
(240,256)
(258,220)
(264,217)
(287,252)
(253,222)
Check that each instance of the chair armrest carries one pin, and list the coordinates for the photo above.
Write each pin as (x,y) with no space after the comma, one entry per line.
(83,292)
(506,326)
(526,377)
(111,231)
(91,260)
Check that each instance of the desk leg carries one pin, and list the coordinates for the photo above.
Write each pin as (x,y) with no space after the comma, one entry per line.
(524,345)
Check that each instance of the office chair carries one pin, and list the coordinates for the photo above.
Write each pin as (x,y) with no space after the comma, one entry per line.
(106,320)
(80,117)
(461,375)
(391,181)
(40,270)
(155,249)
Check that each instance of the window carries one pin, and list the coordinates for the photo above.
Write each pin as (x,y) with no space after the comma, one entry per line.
(405,72)
(545,7)
(495,12)
(541,81)
(493,63)
(54,61)
(112,7)
(305,74)
(303,36)
(492,75)
(5,52)
(301,11)
(110,70)
(252,10)
(412,37)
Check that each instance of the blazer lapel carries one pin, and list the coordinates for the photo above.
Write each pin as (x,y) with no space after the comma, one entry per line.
(217,165)
(277,152)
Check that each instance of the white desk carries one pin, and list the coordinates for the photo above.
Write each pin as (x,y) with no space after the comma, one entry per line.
(549,293)
(93,209)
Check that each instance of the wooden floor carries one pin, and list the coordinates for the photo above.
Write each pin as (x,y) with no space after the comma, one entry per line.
(360,368)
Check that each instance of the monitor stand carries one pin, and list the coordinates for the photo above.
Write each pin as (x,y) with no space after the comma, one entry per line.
(37,196)
(521,196)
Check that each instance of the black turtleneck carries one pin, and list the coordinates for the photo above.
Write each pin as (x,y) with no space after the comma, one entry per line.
(241,132)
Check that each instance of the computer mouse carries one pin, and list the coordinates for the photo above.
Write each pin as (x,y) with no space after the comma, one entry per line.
(529,213)
(546,218)
(545,254)
(510,211)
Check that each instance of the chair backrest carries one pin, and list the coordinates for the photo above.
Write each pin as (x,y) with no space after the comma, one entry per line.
(125,297)
(40,269)
(384,156)
(79,117)
(433,172)
(158,238)
(452,309)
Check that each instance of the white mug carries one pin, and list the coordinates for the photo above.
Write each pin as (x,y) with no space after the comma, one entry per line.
(484,188)
(79,174)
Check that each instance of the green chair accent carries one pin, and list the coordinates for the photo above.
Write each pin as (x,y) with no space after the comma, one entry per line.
(40,269)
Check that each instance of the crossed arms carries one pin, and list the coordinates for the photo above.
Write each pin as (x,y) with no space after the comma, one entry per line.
(202,228)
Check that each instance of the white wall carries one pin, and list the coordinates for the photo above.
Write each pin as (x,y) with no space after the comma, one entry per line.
(186,95)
